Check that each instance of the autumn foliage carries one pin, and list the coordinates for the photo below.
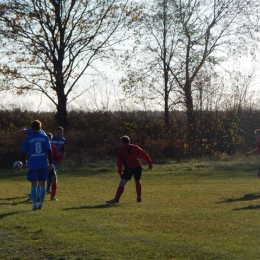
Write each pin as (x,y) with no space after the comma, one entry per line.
(96,134)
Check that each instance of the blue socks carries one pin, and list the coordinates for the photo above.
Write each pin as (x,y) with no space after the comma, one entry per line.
(42,195)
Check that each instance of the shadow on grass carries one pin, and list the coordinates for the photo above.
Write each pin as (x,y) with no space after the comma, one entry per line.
(11,201)
(250,207)
(246,197)
(10,214)
(100,206)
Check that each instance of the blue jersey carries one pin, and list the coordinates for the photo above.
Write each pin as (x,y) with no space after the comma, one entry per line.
(59,142)
(29,131)
(36,146)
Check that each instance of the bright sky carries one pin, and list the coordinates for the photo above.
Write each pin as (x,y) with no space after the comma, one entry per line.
(103,94)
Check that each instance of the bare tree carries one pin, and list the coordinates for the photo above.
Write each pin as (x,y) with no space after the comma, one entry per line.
(49,44)
(180,38)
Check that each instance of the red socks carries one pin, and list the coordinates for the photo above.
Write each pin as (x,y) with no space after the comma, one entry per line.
(53,189)
(138,187)
(119,192)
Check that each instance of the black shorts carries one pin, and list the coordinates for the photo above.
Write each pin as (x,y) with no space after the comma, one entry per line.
(128,173)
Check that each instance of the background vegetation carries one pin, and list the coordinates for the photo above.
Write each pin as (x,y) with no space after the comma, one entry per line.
(96,134)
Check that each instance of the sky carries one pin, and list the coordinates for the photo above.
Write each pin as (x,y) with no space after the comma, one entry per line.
(103,94)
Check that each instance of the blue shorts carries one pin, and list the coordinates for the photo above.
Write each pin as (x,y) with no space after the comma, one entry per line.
(38,175)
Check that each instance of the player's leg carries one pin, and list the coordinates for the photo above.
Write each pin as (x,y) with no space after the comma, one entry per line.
(125,177)
(49,183)
(138,185)
(33,178)
(42,184)
(120,189)
(54,185)
(43,176)
(34,193)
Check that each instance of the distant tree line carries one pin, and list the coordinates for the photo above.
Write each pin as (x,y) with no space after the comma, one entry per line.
(96,134)
(169,50)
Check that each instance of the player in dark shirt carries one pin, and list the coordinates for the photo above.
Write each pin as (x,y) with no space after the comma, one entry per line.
(128,165)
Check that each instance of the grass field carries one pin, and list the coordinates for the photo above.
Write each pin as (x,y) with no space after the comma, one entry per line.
(197,210)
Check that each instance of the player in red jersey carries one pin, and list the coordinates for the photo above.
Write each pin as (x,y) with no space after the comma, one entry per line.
(52,177)
(128,165)
(257,149)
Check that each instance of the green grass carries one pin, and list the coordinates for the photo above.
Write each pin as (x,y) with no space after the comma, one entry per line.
(198,210)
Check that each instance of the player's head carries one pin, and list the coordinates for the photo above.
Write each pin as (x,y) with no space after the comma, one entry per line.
(59,130)
(49,135)
(125,139)
(36,126)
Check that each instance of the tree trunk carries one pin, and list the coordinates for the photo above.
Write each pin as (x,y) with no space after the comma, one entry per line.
(190,117)
(62,114)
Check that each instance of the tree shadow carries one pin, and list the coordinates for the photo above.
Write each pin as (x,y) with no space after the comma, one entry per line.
(100,206)
(246,197)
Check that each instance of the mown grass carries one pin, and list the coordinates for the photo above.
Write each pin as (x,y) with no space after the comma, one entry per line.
(197,210)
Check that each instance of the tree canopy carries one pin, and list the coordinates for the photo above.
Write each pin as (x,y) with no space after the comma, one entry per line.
(47,45)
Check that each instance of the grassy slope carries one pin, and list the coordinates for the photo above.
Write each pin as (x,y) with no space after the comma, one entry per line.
(206,210)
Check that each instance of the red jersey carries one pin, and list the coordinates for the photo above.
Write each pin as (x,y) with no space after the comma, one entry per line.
(55,155)
(128,156)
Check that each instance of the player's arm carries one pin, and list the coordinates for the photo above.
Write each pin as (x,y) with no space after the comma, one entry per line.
(55,154)
(119,164)
(63,152)
(144,155)
(51,166)
(24,160)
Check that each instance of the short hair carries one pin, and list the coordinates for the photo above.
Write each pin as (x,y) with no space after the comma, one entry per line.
(125,139)
(59,128)
(36,125)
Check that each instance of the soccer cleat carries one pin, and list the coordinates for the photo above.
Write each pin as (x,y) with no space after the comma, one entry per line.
(48,192)
(54,199)
(138,200)
(113,201)
(39,207)
(34,208)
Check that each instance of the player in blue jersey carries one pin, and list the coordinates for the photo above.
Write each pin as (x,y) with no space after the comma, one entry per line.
(59,141)
(36,149)
(29,131)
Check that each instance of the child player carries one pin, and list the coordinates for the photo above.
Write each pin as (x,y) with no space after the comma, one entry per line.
(57,140)
(128,162)
(29,131)
(52,177)
(36,149)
